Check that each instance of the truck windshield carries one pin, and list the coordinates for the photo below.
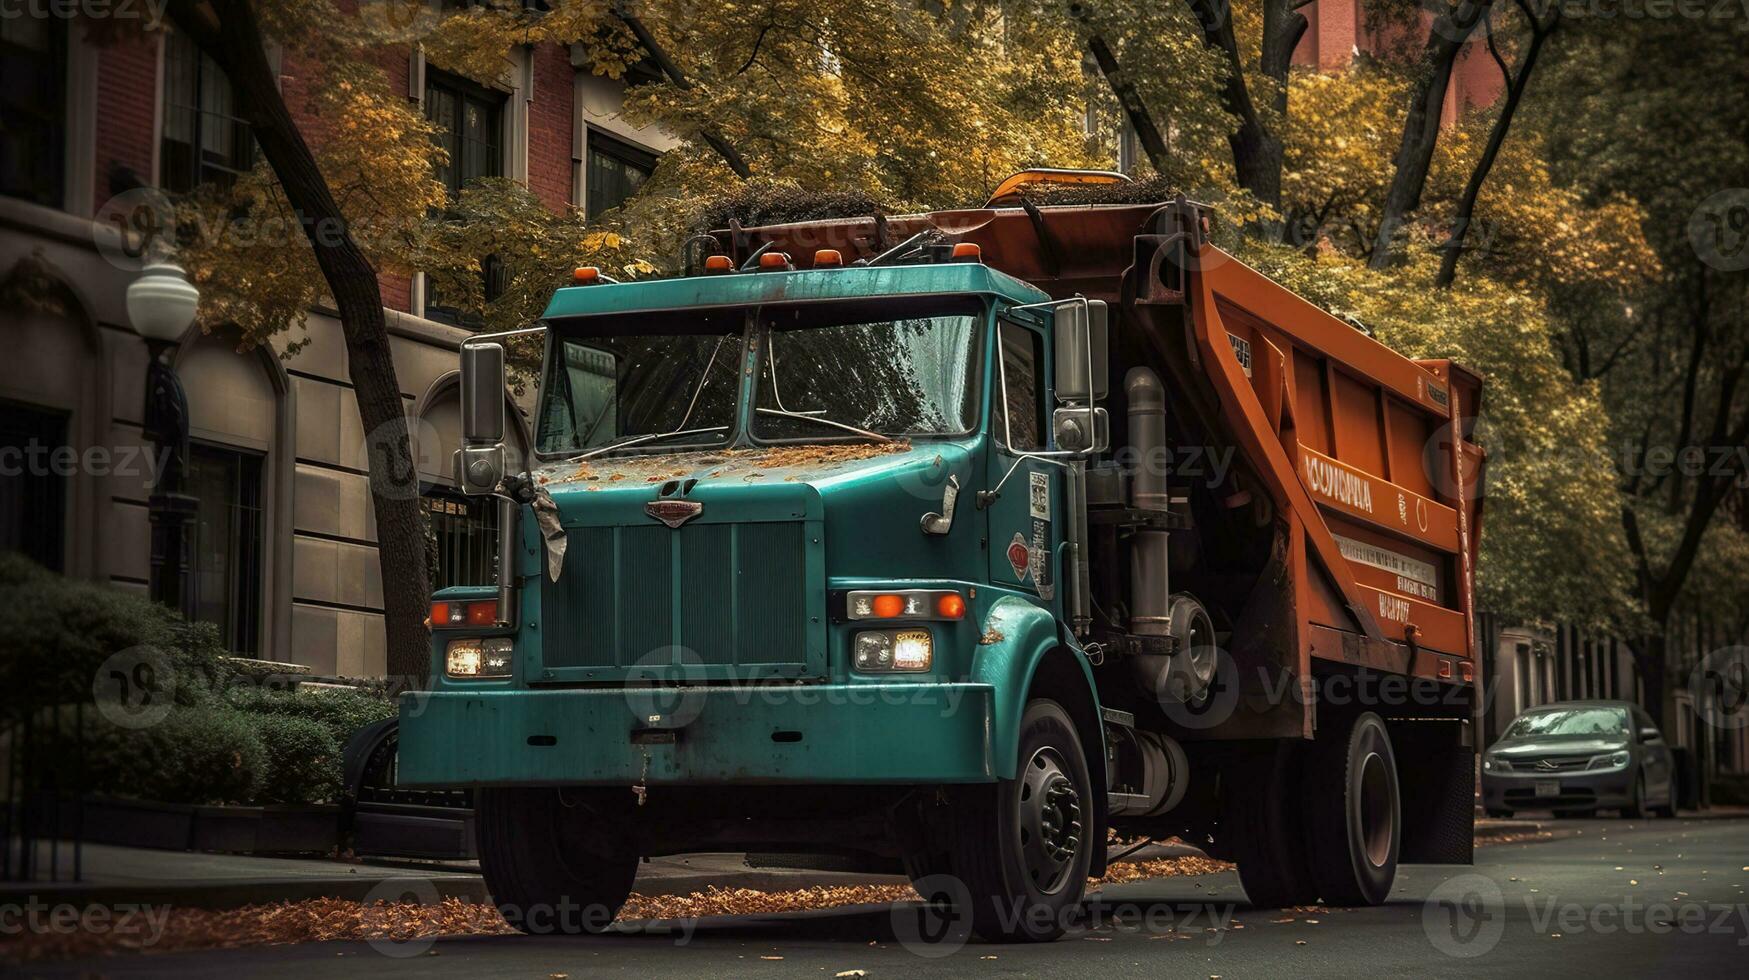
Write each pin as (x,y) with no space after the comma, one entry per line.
(604,389)
(827,379)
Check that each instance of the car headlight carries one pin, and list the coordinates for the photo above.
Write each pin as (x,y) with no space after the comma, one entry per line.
(1614,760)
(477,657)
(893,650)
(1495,765)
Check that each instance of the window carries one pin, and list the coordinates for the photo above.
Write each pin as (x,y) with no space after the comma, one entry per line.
(33,108)
(225,560)
(33,485)
(616,170)
(1022,356)
(466,529)
(471,119)
(205,142)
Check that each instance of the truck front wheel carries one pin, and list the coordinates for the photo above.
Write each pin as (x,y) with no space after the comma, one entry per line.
(1024,845)
(552,859)
(1356,819)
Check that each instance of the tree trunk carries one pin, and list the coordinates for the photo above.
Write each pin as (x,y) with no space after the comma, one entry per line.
(1460,226)
(1257,150)
(1445,39)
(237,44)
(1141,120)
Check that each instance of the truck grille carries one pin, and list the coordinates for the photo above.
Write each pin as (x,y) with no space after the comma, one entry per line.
(731,595)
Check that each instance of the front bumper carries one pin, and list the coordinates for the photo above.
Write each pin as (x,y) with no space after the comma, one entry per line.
(1576,790)
(830,733)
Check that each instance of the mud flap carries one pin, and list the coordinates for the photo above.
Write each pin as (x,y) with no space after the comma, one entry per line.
(1436,773)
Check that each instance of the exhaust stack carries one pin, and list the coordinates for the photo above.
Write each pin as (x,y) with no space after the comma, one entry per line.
(1150,594)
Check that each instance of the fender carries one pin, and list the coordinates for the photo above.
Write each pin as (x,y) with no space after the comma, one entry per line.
(1020,635)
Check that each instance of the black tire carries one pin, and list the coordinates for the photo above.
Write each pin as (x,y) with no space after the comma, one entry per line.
(1636,808)
(1261,818)
(1023,846)
(553,863)
(1499,814)
(1355,816)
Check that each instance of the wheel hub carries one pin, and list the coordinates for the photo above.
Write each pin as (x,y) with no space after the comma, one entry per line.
(1050,820)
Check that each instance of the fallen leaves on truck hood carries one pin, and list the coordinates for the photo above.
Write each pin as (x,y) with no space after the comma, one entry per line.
(789,462)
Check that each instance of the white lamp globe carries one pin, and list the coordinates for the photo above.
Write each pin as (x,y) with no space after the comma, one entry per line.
(161,302)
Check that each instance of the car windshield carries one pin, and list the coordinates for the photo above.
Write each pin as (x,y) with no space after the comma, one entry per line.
(827,377)
(1570,721)
(671,389)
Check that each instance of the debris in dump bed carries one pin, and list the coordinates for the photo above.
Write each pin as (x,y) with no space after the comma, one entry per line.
(1147,190)
(774,203)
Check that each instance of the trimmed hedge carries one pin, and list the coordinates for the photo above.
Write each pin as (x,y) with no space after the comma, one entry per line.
(62,633)
(303,761)
(227,737)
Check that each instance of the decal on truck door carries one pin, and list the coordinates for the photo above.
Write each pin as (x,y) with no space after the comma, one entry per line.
(1041,495)
(1019,556)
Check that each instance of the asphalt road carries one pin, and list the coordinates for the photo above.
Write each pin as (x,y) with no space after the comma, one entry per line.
(1615,899)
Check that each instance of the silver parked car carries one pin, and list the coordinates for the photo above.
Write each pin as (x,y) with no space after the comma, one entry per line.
(1578,757)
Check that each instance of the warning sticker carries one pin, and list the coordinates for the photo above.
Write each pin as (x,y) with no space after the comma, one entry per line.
(1241,350)
(1041,496)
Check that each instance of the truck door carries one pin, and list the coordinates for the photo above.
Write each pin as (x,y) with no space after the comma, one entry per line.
(1021,529)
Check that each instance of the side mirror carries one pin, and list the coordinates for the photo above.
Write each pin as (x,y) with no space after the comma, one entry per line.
(480,462)
(1650,734)
(1080,348)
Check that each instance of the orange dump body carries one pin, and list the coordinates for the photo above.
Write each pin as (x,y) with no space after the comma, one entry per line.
(1365,455)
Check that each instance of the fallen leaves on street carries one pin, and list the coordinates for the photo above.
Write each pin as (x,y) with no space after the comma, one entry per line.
(327,919)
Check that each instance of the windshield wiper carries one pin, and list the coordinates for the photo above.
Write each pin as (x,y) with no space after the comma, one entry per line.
(647,437)
(808,417)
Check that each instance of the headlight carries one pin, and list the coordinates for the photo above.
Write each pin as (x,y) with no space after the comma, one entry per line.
(1495,765)
(477,657)
(893,650)
(1614,760)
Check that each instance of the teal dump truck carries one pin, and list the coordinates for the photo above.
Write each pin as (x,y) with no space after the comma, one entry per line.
(961,543)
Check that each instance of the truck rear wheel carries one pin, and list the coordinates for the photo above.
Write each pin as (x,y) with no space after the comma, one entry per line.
(551,862)
(1024,845)
(1262,818)
(1354,830)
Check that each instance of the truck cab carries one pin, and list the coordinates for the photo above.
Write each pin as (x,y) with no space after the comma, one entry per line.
(813,528)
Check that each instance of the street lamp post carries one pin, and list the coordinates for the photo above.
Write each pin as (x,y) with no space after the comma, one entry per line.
(161,304)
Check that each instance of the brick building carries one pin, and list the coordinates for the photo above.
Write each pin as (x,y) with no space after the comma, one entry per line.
(283,550)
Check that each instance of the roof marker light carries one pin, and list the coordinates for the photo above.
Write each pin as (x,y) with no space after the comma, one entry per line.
(586,276)
(718,263)
(778,261)
(828,258)
(967,252)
